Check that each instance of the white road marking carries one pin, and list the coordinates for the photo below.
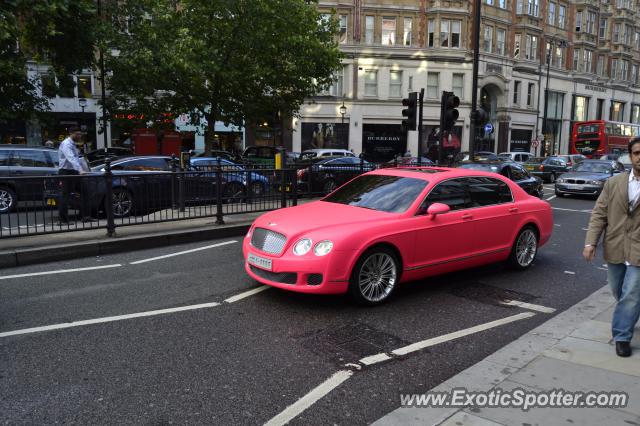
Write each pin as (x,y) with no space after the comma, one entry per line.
(137,262)
(530,306)
(460,333)
(571,210)
(569,272)
(374,359)
(556,224)
(602,269)
(247,294)
(107,319)
(585,229)
(309,399)
(550,198)
(60,271)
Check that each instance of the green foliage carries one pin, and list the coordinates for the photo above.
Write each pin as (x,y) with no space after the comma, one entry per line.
(231,60)
(59,33)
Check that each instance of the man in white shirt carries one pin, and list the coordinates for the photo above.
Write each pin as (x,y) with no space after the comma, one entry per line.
(70,164)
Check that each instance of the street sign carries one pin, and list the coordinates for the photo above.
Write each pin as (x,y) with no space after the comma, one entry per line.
(488,129)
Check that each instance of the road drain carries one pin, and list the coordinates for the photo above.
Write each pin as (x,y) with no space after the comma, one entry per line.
(349,342)
(488,294)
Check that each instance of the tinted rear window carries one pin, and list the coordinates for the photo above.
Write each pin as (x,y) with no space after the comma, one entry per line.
(392,194)
(4,157)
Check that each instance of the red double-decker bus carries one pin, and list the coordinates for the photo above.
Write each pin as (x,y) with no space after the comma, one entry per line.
(595,138)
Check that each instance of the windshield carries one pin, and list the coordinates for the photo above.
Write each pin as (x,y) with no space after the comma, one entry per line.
(479,166)
(536,160)
(392,194)
(592,167)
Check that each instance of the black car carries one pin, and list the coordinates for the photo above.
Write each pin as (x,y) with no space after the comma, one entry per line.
(547,168)
(514,171)
(587,177)
(98,156)
(327,175)
(22,161)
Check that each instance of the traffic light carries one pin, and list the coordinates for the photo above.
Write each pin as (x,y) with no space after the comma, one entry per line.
(449,112)
(411,104)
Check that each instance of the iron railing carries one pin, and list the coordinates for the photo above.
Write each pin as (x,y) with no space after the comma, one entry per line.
(114,198)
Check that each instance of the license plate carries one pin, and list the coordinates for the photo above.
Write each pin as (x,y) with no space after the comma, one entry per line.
(51,202)
(258,261)
(576,187)
(530,167)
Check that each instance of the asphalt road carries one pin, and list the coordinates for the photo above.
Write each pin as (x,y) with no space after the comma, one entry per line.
(246,361)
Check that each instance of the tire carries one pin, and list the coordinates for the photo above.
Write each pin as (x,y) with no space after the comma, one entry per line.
(123,204)
(257,189)
(374,277)
(329,186)
(559,194)
(525,249)
(233,192)
(8,200)
(552,178)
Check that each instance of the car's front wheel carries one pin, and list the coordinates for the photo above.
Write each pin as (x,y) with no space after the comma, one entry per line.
(524,249)
(233,192)
(7,200)
(552,178)
(375,276)
(122,202)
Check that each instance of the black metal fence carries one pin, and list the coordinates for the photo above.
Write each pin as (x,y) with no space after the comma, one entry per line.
(113,198)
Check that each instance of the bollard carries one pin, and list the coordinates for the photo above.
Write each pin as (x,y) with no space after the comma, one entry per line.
(108,176)
(219,218)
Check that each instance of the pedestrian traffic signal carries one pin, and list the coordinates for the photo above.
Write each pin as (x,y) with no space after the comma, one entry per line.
(449,112)
(479,117)
(411,104)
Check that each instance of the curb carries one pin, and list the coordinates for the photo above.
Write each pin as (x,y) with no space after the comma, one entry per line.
(51,253)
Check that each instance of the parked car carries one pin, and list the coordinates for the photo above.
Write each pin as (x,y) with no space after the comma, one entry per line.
(546,168)
(532,185)
(22,161)
(625,160)
(324,153)
(407,162)
(587,177)
(97,157)
(518,157)
(394,225)
(572,159)
(197,153)
(261,156)
(143,184)
(330,173)
(477,156)
(257,182)
(611,157)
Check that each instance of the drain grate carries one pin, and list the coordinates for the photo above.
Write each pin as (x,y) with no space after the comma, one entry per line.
(485,293)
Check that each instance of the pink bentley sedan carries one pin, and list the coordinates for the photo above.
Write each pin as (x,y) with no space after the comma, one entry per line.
(395,225)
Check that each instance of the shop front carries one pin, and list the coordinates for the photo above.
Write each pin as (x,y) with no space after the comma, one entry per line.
(520,140)
(325,135)
(56,128)
(383,142)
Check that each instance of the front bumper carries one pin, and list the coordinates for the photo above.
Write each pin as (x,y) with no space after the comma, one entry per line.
(578,189)
(304,274)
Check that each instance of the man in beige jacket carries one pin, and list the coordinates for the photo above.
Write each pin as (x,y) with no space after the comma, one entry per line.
(617,215)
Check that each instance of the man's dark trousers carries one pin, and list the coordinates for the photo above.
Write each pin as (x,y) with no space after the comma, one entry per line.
(67,186)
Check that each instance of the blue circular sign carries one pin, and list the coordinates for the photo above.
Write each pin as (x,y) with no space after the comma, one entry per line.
(488,129)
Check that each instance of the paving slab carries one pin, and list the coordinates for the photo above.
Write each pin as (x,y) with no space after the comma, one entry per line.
(466,419)
(523,350)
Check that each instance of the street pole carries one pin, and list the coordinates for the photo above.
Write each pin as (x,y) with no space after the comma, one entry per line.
(474,90)
(543,150)
(420,106)
(104,89)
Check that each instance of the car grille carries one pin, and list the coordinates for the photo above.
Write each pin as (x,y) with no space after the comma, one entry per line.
(277,277)
(578,181)
(268,241)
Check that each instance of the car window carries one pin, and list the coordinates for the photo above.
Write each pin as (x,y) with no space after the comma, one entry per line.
(53,158)
(451,192)
(392,194)
(485,191)
(338,161)
(29,158)
(592,167)
(4,157)
(518,174)
(144,164)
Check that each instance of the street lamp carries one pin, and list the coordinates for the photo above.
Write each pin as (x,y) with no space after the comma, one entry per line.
(343,111)
(83,103)
(562,43)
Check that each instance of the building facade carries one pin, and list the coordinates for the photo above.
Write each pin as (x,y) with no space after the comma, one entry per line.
(587,52)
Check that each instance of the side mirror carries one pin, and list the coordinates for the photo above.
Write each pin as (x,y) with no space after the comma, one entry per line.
(436,209)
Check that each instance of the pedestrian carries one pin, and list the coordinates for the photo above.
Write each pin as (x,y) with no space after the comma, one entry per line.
(616,215)
(70,164)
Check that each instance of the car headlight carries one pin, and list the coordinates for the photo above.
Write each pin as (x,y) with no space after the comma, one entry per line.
(559,180)
(302,247)
(323,248)
(596,182)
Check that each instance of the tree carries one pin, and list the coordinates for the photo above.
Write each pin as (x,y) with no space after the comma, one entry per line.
(58,33)
(228,60)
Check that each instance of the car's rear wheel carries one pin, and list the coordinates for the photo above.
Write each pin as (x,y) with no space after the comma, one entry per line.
(7,200)
(233,192)
(122,202)
(329,185)
(525,248)
(375,276)
(552,178)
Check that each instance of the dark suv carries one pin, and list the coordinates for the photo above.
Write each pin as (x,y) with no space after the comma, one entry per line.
(21,161)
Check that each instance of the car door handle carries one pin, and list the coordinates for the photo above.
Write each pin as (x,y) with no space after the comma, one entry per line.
(467,217)
(513,210)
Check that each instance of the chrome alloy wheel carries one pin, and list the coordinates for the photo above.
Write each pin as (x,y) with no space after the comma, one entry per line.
(121,203)
(526,248)
(377,277)
(6,200)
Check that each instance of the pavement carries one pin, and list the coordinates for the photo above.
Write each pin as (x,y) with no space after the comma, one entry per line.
(572,352)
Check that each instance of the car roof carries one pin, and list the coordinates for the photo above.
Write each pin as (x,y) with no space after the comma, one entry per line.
(435,174)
